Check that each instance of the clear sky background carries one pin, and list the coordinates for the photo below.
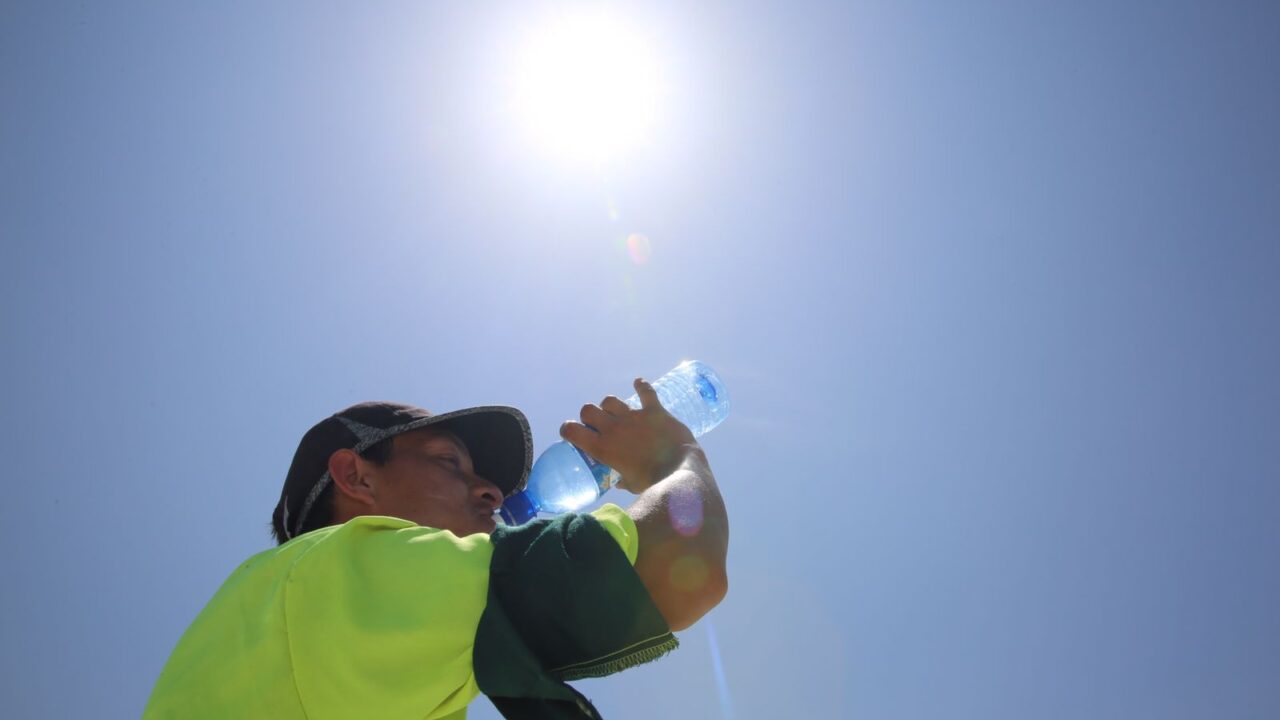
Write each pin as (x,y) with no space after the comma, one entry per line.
(993,286)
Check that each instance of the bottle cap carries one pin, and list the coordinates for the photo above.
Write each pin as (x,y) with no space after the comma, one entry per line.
(518,509)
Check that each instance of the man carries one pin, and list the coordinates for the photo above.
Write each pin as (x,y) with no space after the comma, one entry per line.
(394,594)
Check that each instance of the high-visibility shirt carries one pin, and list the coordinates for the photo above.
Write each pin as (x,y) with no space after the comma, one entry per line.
(374,618)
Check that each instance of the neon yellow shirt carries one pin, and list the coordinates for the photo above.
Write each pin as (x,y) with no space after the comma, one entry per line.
(373,618)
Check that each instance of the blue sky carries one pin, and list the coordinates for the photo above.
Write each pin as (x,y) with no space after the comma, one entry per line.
(992,285)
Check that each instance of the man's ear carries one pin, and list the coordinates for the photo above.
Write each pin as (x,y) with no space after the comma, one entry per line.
(349,479)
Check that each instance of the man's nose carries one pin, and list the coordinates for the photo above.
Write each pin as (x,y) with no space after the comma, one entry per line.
(487,492)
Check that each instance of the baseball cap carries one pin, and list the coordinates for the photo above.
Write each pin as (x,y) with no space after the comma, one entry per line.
(497,437)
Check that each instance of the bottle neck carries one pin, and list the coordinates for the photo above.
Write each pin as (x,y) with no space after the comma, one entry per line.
(518,509)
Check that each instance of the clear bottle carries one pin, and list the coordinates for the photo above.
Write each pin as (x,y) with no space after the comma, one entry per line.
(564,478)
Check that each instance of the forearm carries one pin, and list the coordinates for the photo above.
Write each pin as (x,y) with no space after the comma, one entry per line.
(684,540)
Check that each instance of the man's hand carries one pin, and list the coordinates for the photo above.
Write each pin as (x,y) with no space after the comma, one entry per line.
(644,445)
(682,564)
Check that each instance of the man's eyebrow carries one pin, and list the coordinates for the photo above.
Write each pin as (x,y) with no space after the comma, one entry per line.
(453,441)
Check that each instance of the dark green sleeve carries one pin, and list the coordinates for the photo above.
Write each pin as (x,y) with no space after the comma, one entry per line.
(564,603)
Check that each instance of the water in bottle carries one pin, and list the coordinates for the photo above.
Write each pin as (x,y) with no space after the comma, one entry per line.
(564,478)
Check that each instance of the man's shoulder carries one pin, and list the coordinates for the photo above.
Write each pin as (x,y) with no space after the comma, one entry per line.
(382,529)
(373,545)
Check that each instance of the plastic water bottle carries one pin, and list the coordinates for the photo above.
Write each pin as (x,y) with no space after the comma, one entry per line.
(564,478)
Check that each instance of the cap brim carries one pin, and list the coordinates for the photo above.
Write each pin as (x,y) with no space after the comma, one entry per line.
(498,439)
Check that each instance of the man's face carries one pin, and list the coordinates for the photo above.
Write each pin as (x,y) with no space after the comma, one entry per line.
(430,480)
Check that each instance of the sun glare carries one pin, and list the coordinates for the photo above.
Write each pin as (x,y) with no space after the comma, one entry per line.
(586,87)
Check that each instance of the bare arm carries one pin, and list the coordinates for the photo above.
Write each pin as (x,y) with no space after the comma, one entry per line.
(684,537)
(681,518)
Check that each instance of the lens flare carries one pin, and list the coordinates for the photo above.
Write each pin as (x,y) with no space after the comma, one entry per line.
(639,248)
(722,685)
(684,509)
(689,573)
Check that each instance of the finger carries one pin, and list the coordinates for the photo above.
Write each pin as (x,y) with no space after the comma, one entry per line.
(580,436)
(614,406)
(595,418)
(648,396)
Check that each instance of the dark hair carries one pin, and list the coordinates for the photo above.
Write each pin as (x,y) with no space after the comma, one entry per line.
(321,513)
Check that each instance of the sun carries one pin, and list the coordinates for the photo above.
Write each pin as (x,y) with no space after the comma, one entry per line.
(586,87)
